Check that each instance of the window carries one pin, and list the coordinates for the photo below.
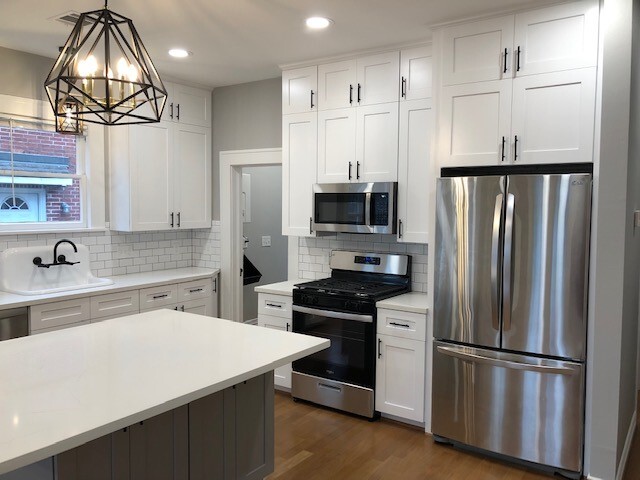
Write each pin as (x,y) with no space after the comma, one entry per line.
(49,181)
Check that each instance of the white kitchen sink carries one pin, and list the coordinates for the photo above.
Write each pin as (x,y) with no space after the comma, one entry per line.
(19,274)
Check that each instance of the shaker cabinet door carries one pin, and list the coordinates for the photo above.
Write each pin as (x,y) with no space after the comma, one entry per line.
(378,78)
(416,69)
(299,90)
(474,52)
(337,145)
(474,119)
(192,173)
(556,38)
(377,143)
(337,85)
(553,117)
(299,170)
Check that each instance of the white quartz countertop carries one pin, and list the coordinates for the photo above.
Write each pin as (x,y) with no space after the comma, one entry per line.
(281,288)
(120,283)
(415,302)
(64,388)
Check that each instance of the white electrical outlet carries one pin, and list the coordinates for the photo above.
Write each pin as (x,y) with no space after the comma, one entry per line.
(266,240)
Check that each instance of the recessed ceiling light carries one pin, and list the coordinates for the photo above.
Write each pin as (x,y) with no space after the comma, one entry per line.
(318,22)
(179,53)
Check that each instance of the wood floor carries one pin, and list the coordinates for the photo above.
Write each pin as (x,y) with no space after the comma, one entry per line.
(313,443)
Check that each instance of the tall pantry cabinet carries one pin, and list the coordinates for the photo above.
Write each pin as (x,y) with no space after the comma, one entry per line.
(160,173)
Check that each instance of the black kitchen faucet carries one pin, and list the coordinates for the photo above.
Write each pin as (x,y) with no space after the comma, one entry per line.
(57,259)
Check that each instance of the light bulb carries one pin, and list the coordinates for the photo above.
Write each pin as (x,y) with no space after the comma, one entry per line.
(132,73)
(91,65)
(122,67)
(82,68)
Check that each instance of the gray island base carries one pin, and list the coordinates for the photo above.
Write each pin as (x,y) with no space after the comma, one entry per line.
(157,395)
(225,435)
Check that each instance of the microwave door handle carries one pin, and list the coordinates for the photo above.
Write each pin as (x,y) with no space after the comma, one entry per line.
(495,263)
(356,317)
(367,211)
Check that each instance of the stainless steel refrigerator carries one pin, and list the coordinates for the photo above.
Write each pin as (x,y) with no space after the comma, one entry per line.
(510,315)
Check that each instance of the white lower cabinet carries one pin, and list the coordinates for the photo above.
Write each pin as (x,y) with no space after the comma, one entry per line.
(278,317)
(400,368)
(198,296)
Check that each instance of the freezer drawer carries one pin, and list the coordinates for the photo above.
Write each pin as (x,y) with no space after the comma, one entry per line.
(524,407)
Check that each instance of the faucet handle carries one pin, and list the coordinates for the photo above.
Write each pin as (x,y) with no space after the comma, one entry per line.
(62,260)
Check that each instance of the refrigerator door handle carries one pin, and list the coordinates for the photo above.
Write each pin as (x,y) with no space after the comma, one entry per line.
(508,264)
(545,366)
(495,263)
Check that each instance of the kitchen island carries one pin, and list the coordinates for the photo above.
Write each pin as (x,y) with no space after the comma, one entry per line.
(95,385)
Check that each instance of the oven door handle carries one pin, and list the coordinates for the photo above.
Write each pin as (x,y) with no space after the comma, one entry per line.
(330,314)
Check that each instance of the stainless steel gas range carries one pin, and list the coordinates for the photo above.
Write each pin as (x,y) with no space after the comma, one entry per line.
(342,308)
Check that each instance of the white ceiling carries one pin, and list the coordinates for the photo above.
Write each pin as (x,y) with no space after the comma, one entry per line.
(238,41)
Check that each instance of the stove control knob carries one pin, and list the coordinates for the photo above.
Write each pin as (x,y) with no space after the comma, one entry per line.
(315,300)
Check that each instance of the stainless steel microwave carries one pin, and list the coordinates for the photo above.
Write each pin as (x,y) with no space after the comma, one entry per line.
(355,207)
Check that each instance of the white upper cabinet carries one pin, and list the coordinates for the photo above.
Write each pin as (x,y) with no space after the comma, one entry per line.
(414,169)
(192,173)
(561,37)
(377,78)
(475,52)
(475,123)
(299,90)
(299,158)
(377,143)
(553,117)
(337,145)
(337,85)
(416,72)
(551,39)
(187,105)
(160,176)
(521,88)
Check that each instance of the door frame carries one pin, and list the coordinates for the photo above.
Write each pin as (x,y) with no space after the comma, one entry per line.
(231,165)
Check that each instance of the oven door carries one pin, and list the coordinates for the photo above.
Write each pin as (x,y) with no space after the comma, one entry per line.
(354,207)
(351,356)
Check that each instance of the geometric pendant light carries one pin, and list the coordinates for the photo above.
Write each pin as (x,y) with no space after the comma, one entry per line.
(104,75)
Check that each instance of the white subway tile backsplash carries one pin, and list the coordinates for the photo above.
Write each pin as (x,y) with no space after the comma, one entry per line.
(313,254)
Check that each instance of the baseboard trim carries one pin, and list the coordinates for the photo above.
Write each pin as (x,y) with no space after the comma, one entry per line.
(627,446)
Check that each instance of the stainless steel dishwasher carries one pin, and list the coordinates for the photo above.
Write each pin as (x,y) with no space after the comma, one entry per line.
(14,323)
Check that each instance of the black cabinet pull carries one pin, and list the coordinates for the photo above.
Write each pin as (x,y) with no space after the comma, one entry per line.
(359,88)
(215,285)
(178,219)
(350,94)
(312,105)
(505,61)
(518,59)
(178,110)
(310,224)
(164,295)
(503,153)
(379,348)
(287,327)
(350,170)
(171,114)
(175,308)
(515,149)
(399,228)
(195,290)
(182,308)
(357,169)
(403,88)
(403,325)
(171,219)
(274,305)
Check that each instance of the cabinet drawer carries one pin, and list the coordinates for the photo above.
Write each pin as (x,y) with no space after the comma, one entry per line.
(276,323)
(115,304)
(155,297)
(55,314)
(396,323)
(277,305)
(195,290)
(59,327)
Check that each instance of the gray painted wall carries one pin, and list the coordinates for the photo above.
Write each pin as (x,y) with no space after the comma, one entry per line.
(266,219)
(23,74)
(628,375)
(244,116)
